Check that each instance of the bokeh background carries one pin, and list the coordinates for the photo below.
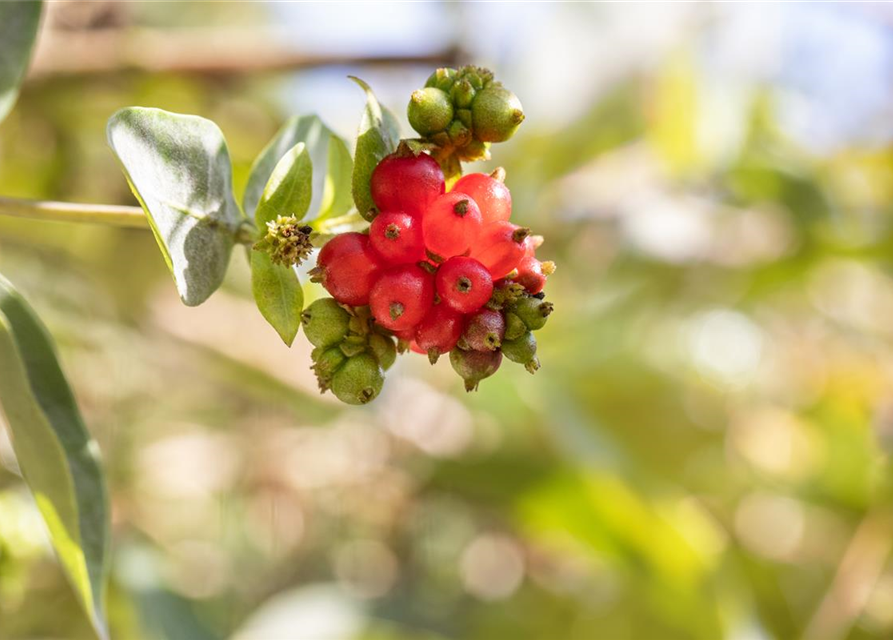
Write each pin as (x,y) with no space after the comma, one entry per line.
(705,453)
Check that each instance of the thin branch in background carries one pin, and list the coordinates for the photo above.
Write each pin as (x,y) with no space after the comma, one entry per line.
(858,572)
(193,51)
(117,215)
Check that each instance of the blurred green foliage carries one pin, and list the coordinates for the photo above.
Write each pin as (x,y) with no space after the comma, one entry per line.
(704,454)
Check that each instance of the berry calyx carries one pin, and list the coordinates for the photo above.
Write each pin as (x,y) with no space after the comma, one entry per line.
(500,247)
(451,224)
(325,323)
(326,361)
(488,191)
(474,366)
(484,331)
(496,114)
(401,296)
(359,380)
(523,351)
(406,182)
(464,284)
(430,110)
(439,331)
(397,237)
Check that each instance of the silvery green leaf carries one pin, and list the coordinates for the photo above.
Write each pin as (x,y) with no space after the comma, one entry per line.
(378,136)
(179,169)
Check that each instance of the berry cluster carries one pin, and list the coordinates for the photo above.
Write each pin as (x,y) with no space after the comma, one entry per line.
(443,272)
(463,111)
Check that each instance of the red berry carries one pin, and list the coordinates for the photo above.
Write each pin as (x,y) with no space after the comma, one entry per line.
(492,197)
(451,223)
(401,296)
(484,330)
(500,247)
(464,284)
(530,275)
(406,183)
(414,346)
(347,267)
(397,237)
(439,331)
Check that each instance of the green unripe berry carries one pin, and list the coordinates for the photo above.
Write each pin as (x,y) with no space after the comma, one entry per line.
(464,116)
(325,322)
(326,361)
(514,326)
(429,110)
(384,349)
(496,114)
(462,94)
(523,351)
(359,380)
(442,78)
(474,366)
(533,312)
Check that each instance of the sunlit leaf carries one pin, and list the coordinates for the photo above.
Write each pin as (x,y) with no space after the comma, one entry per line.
(58,458)
(378,135)
(179,169)
(289,190)
(332,166)
(18,30)
(278,295)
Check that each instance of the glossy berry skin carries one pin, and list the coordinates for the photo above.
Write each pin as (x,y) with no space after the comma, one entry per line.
(451,224)
(492,196)
(464,284)
(439,331)
(500,247)
(401,296)
(397,238)
(530,275)
(347,268)
(484,331)
(406,183)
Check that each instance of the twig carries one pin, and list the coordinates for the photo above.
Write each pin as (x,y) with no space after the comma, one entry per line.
(117,215)
(856,576)
(194,51)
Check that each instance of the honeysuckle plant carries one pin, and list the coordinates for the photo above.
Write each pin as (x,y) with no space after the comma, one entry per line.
(415,257)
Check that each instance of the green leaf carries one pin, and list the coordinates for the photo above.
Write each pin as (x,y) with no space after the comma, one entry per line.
(58,458)
(289,189)
(278,295)
(331,187)
(378,136)
(179,169)
(18,30)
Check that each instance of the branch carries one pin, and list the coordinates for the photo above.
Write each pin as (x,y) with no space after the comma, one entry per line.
(120,216)
(194,51)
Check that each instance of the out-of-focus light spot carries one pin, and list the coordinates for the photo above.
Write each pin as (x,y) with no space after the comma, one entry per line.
(698,527)
(854,294)
(751,236)
(22,531)
(436,423)
(191,465)
(725,346)
(775,441)
(197,569)
(676,230)
(492,567)
(319,612)
(275,521)
(770,525)
(365,568)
